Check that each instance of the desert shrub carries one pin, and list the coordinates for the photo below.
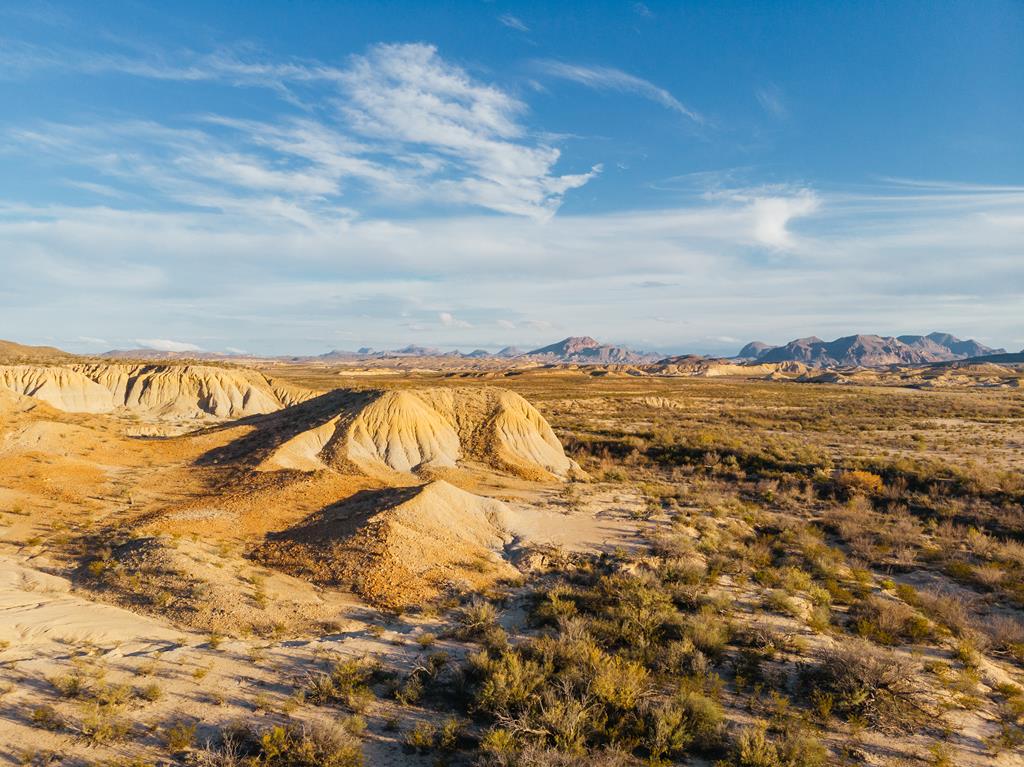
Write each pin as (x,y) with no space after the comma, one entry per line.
(704,717)
(781,602)
(674,725)
(1006,635)
(424,674)
(151,692)
(421,737)
(508,682)
(476,619)
(619,682)
(554,605)
(868,683)
(819,618)
(46,718)
(103,723)
(72,685)
(449,734)
(281,746)
(950,609)
(858,482)
(180,736)
(709,632)
(887,621)
(796,747)
(667,734)
(296,746)
(637,608)
(347,684)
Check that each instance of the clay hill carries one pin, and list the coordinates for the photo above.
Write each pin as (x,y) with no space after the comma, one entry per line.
(393,433)
(397,547)
(159,391)
(353,487)
(584,350)
(869,350)
(11,352)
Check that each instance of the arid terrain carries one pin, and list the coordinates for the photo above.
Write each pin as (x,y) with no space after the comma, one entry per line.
(412,562)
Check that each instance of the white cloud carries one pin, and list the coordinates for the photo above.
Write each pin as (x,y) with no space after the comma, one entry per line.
(513,22)
(450,321)
(101,189)
(296,214)
(766,262)
(771,100)
(773,214)
(400,121)
(92,341)
(609,78)
(166,345)
(407,93)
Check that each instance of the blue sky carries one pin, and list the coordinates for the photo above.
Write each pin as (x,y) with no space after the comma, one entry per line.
(295,177)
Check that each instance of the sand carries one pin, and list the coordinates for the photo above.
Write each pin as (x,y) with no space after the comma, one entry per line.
(36,607)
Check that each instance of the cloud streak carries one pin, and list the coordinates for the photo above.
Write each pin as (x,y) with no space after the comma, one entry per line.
(404,123)
(166,345)
(513,22)
(610,79)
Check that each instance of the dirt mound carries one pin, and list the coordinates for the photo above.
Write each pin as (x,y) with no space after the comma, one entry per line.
(662,403)
(200,585)
(161,391)
(703,367)
(418,430)
(828,377)
(400,546)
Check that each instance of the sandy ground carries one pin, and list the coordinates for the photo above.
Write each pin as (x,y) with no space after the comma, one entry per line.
(53,633)
(48,630)
(79,477)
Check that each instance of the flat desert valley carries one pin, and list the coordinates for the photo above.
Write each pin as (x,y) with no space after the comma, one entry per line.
(431,562)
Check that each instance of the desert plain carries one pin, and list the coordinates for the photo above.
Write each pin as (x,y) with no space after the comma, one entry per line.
(446,562)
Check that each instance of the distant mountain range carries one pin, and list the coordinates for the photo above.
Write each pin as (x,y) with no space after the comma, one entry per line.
(869,350)
(849,351)
(585,350)
(581,350)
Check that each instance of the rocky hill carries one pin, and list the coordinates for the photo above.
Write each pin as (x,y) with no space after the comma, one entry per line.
(869,350)
(13,352)
(588,351)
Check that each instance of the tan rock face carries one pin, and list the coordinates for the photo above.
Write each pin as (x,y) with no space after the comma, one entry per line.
(162,391)
(412,431)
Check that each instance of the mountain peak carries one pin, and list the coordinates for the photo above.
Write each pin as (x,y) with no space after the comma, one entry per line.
(866,350)
(587,350)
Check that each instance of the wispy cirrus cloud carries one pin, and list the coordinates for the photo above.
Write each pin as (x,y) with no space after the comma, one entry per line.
(772,100)
(403,122)
(611,79)
(513,22)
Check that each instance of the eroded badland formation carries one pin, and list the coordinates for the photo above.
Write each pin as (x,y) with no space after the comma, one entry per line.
(577,556)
